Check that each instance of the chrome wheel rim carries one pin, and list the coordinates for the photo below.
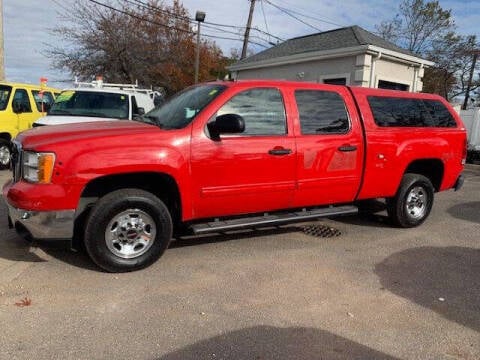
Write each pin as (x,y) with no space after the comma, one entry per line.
(4,155)
(130,233)
(416,205)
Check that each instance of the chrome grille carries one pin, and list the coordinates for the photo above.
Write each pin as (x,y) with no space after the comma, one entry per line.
(16,161)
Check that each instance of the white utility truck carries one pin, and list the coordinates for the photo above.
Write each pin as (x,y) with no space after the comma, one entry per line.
(471,119)
(99,101)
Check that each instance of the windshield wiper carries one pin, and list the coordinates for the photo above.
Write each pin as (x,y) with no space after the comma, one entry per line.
(152,120)
(92,114)
(59,112)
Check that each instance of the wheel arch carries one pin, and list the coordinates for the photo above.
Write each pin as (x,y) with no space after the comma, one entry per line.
(161,185)
(433,169)
(6,136)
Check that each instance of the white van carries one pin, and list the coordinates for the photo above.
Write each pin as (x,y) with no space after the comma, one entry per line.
(98,101)
(471,119)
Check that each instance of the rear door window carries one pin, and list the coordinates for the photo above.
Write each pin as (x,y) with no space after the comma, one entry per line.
(321,112)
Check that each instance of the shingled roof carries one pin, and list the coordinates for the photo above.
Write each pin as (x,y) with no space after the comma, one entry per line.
(329,40)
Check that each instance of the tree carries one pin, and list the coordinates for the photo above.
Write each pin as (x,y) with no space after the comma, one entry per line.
(427,30)
(418,25)
(453,57)
(152,43)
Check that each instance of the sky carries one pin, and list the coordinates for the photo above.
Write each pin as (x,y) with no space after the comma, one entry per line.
(27,24)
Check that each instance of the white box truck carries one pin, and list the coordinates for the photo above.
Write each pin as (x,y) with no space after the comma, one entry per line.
(471,119)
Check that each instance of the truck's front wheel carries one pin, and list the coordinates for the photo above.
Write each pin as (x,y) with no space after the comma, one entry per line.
(413,201)
(5,153)
(127,230)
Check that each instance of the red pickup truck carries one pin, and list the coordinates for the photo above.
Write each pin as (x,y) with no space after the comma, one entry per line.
(226,155)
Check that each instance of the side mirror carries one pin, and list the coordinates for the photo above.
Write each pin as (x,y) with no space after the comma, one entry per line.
(226,124)
(140,111)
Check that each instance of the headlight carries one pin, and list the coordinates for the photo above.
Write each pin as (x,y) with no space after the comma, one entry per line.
(38,167)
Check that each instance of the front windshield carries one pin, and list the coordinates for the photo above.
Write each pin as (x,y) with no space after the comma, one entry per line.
(91,103)
(5,92)
(180,110)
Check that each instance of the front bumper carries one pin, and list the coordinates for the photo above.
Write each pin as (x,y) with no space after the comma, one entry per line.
(48,225)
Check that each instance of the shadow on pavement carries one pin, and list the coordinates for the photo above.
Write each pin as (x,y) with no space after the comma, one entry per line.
(445,280)
(371,213)
(61,250)
(266,342)
(232,235)
(467,211)
(17,249)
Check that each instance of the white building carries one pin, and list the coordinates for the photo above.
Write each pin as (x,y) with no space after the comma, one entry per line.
(350,56)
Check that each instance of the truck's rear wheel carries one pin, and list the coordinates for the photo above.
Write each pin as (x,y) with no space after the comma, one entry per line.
(127,230)
(412,203)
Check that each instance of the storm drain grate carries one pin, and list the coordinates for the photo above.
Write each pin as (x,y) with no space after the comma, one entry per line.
(321,231)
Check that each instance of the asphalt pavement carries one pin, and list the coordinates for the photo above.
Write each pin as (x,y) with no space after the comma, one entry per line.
(370,291)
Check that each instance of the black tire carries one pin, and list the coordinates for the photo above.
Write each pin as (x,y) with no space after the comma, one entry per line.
(127,230)
(413,202)
(5,153)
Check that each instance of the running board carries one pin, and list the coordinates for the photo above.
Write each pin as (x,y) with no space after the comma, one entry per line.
(272,219)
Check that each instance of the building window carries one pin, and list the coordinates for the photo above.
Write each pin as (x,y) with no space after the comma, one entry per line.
(382,84)
(335,81)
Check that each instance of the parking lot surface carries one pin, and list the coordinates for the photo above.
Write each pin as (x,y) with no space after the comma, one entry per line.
(373,292)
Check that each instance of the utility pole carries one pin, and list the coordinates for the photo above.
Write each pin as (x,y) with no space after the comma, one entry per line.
(247,30)
(2,54)
(470,79)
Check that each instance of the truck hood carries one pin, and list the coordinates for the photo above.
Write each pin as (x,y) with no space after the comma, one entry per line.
(43,136)
(68,119)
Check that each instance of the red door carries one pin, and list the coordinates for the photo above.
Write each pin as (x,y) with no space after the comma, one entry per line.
(253,171)
(330,146)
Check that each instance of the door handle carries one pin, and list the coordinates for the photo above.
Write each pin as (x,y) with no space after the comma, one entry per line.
(279,151)
(347,148)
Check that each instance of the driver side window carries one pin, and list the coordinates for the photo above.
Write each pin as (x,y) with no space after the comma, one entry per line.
(262,109)
(21,101)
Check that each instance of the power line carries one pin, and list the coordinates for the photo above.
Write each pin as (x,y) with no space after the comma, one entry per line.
(213,28)
(264,16)
(141,18)
(289,13)
(229,38)
(205,23)
(309,16)
(242,28)
(163,25)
